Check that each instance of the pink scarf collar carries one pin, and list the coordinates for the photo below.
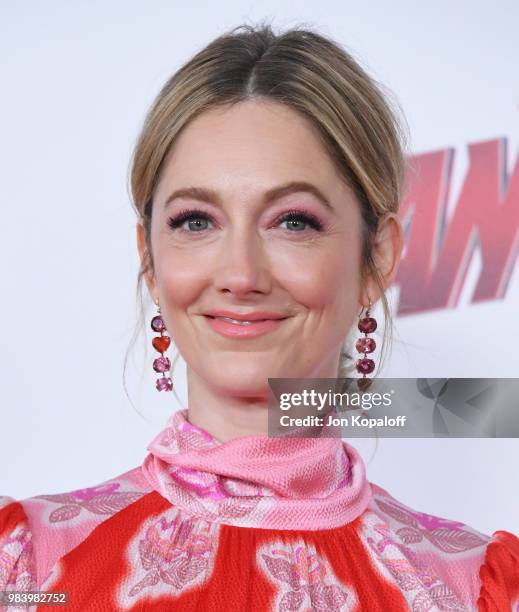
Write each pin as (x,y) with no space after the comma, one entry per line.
(257,481)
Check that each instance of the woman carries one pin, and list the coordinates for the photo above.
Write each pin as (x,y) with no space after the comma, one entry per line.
(266,180)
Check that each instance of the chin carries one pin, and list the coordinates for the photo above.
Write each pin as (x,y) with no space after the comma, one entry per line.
(237,379)
(254,388)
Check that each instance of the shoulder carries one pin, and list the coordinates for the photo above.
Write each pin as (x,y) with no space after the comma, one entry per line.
(455,563)
(444,535)
(37,531)
(499,574)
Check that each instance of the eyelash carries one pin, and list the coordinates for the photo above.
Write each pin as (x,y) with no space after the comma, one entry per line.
(290,215)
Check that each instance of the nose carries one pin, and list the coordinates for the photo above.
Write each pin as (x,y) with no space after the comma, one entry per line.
(243,265)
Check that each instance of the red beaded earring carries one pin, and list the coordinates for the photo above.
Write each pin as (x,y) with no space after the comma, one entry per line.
(366,325)
(161,344)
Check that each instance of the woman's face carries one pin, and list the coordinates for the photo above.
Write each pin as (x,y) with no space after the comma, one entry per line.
(238,253)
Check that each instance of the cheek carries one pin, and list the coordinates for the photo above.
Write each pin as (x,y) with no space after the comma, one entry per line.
(180,279)
(180,284)
(177,273)
(322,278)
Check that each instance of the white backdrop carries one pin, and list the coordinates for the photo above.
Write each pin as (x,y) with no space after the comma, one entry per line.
(77,79)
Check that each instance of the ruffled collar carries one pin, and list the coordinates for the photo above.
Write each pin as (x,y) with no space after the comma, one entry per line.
(257,481)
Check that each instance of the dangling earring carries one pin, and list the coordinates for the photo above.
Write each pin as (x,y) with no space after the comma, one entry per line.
(161,344)
(366,325)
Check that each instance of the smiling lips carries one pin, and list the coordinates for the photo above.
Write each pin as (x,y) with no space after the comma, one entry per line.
(250,325)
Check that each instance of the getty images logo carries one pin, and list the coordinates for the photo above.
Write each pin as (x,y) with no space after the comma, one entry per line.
(320,401)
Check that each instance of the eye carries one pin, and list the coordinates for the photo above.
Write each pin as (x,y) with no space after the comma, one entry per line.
(190,216)
(296,219)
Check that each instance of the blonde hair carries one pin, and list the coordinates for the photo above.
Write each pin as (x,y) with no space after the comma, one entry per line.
(313,75)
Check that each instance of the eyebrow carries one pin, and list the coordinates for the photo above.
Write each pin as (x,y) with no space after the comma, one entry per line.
(204,194)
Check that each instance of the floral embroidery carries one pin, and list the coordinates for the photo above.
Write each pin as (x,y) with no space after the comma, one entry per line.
(432,522)
(174,550)
(189,437)
(422,586)
(303,578)
(210,487)
(215,508)
(101,499)
(448,536)
(17,568)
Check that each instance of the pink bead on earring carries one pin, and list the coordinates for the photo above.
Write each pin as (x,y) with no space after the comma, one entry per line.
(161,344)
(366,325)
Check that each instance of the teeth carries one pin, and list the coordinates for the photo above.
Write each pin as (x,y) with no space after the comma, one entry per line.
(237,322)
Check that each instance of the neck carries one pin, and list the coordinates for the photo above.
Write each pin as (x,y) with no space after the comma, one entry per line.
(232,413)
(222,414)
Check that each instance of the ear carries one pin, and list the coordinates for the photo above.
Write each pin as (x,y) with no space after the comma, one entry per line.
(144,257)
(387,251)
